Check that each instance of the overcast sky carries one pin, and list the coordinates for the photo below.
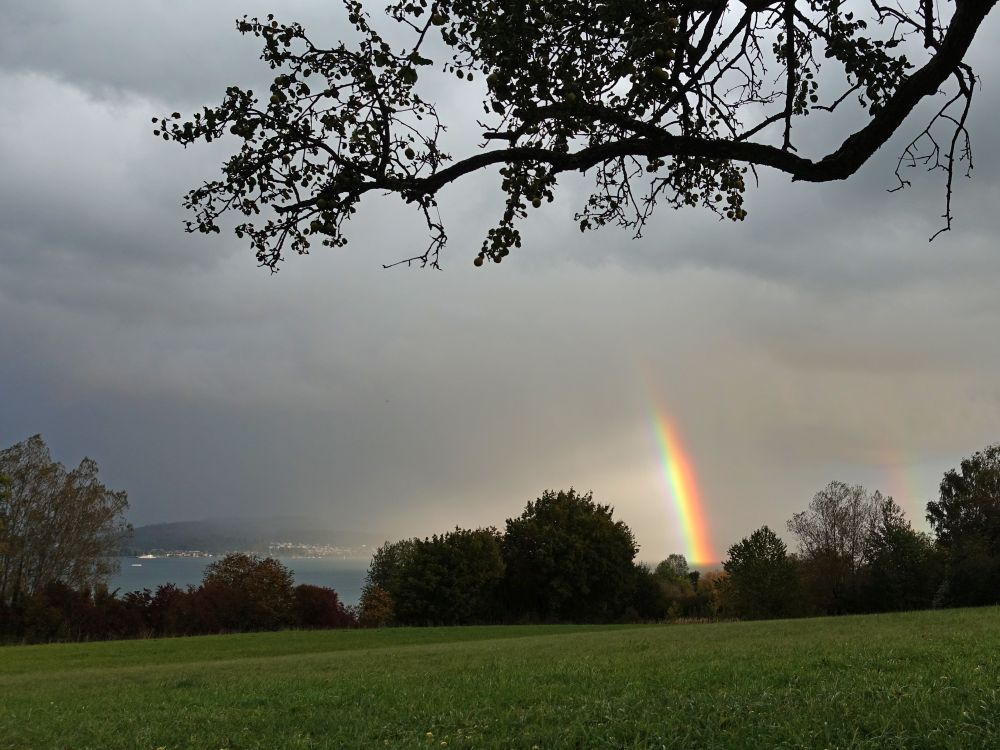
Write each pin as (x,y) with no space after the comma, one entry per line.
(824,338)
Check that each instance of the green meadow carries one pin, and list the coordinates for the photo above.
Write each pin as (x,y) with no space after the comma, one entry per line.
(929,679)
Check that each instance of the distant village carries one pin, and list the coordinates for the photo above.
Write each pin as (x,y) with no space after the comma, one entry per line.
(296,549)
(274,549)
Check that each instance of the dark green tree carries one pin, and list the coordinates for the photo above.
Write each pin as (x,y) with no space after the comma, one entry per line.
(679,585)
(674,568)
(446,579)
(385,579)
(452,579)
(568,560)
(966,522)
(649,600)
(661,101)
(902,569)
(387,569)
(762,579)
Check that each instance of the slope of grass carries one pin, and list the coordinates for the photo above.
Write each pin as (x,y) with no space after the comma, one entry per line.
(928,679)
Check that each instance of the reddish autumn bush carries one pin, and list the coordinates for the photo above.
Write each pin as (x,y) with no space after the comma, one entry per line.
(320,607)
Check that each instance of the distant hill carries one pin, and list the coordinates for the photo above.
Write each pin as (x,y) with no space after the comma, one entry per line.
(243,534)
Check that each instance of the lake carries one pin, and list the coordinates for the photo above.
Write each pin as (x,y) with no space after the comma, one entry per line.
(346,577)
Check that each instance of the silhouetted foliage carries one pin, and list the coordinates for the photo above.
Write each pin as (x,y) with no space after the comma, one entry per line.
(171,610)
(674,568)
(966,522)
(247,592)
(568,560)
(833,535)
(762,580)
(320,607)
(662,102)
(55,525)
(679,587)
(387,569)
(565,558)
(446,579)
(452,579)
(239,593)
(902,569)
(4,503)
(649,601)
(376,608)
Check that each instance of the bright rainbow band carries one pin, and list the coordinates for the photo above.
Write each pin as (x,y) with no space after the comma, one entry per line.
(679,476)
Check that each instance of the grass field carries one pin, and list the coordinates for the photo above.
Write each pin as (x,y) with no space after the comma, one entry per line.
(929,679)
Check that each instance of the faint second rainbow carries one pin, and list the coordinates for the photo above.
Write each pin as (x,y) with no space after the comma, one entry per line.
(906,482)
(679,476)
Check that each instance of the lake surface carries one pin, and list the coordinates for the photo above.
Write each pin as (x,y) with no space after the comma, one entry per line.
(346,577)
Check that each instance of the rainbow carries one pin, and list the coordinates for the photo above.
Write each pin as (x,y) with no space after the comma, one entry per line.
(679,476)
(906,485)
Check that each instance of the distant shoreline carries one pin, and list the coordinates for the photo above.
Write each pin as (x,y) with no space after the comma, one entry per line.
(345,576)
(172,554)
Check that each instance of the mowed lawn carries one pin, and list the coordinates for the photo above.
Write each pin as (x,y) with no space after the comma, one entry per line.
(928,679)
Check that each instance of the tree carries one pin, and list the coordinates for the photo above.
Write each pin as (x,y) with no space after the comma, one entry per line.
(679,585)
(376,608)
(762,579)
(4,500)
(833,535)
(446,579)
(712,588)
(451,579)
(674,568)
(320,607)
(247,592)
(171,610)
(55,525)
(969,501)
(662,101)
(966,522)
(902,569)
(649,601)
(384,581)
(388,566)
(568,559)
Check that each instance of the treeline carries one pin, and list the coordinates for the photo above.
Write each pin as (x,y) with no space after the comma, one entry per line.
(565,559)
(858,553)
(239,593)
(60,533)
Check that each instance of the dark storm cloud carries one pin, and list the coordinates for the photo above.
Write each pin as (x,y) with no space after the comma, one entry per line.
(822,338)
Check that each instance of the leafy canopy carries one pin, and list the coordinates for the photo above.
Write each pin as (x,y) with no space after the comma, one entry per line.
(661,101)
(568,559)
(56,524)
(762,579)
(966,522)
(969,504)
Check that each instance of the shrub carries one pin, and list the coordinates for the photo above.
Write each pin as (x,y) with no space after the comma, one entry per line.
(320,607)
